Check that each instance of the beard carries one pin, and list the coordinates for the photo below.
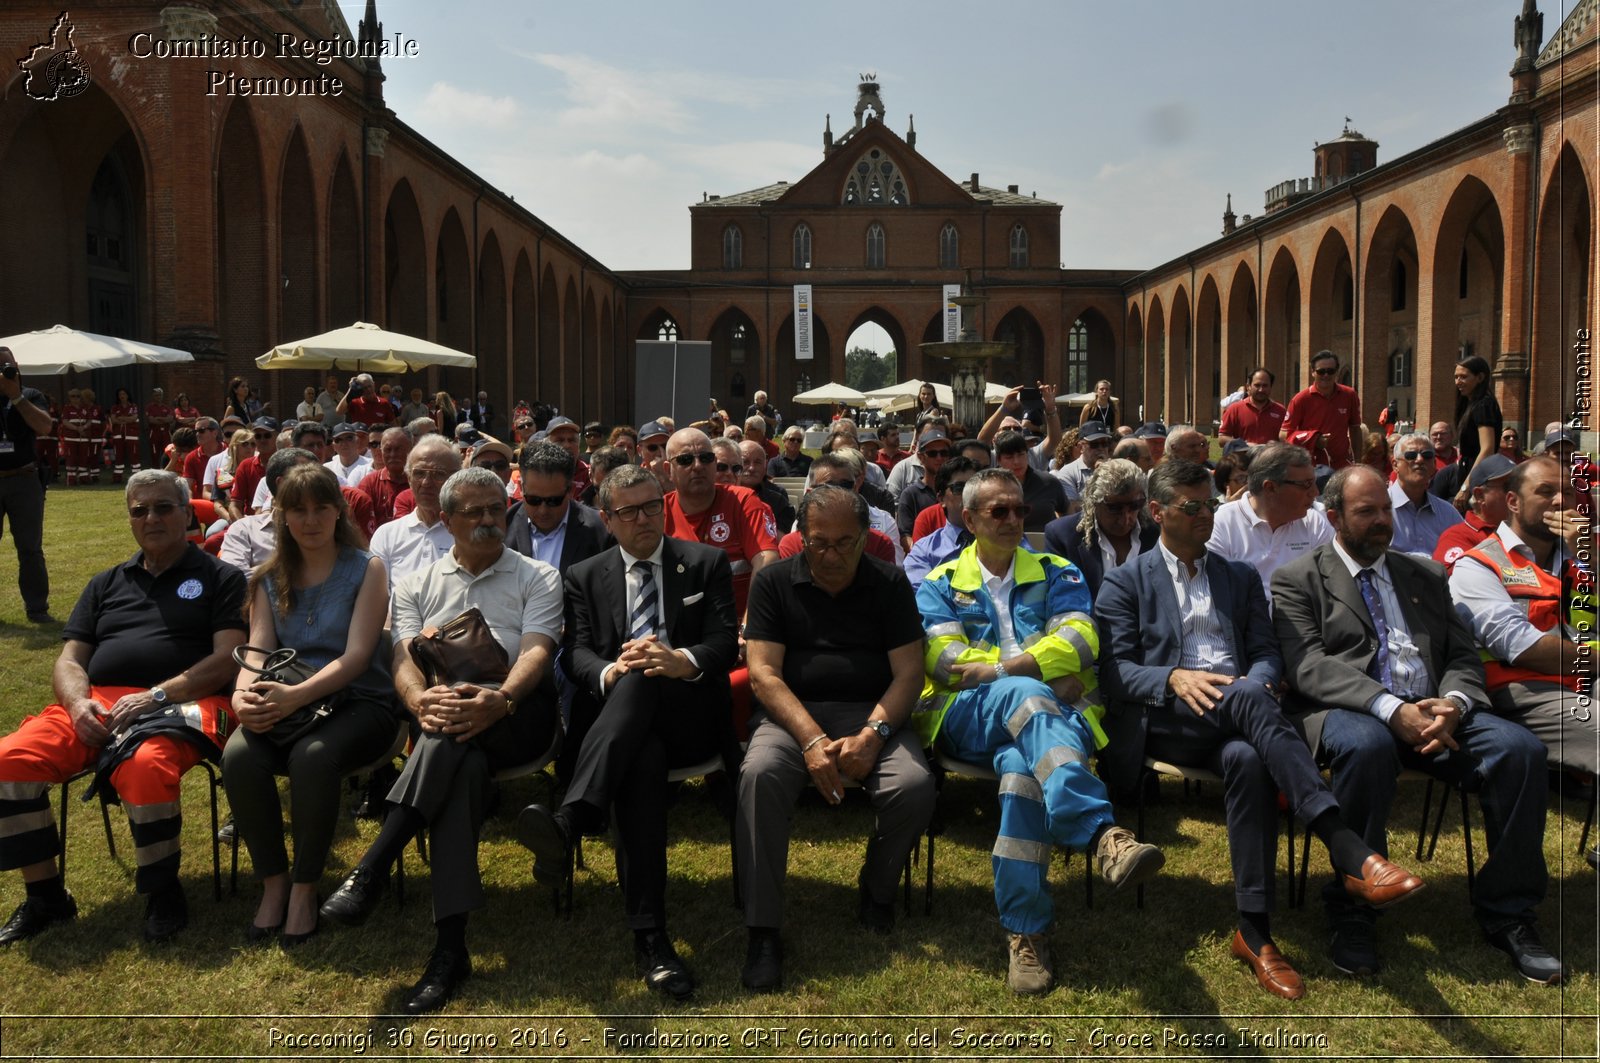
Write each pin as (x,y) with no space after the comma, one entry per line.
(1370,547)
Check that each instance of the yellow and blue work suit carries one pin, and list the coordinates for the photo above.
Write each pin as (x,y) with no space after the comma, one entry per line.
(1040,747)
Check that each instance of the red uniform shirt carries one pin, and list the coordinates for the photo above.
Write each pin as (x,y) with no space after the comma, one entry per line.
(155,415)
(886,463)
(125,409)
(1311,411)
(246,478)
(383,488)
(1459,538)
(930,520)
(74,422)
(737,522)
(370,410)
(361,514)
(1241,420)
(194,470)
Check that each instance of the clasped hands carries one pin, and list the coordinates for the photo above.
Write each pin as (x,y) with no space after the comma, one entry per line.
(1427,725)
(95,725)
(832,760)
(649,657)
(462,710)
(260,706)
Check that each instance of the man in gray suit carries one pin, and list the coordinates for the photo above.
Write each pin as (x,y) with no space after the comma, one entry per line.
(1372,639)
(1186,646)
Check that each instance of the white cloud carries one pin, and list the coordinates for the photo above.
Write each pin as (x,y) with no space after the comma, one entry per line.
(447,107)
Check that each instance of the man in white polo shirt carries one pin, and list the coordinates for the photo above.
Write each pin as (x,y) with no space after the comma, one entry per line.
(413,542)
(1276,520)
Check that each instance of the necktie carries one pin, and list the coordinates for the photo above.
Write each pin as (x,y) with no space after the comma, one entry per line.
(643,620)
(1380,621)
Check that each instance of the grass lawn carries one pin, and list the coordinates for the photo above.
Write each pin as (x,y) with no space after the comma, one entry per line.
(1157,982)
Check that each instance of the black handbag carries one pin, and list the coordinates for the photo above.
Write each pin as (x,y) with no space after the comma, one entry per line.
(280,666)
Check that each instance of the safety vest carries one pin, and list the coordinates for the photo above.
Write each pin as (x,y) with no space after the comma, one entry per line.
(1543,599)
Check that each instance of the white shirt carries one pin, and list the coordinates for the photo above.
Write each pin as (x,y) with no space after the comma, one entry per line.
(881,520)
(517,595)
(1108,552)
(249,541)
(406,546)
(1407,669)
(1485,606)
(213,467)
(1205,644)
(1239,534)
(350,475)
(999,590)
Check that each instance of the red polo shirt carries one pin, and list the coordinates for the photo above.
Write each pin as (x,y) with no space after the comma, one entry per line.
(737,521)
(1241,420)
(1311,411)
(383,487)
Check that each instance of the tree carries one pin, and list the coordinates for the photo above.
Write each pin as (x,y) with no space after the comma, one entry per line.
(867,370)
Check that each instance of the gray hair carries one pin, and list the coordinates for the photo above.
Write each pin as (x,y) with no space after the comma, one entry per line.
(828,496)
(394,433)
(1407,438)
(157,477)
(1114,476)
(847,459)
(623,478)
(1271,462)
(983,477)
(756,423)
(437,447)
(794,431)
(421,426)
(464,478)
(725,447)
(1178,431)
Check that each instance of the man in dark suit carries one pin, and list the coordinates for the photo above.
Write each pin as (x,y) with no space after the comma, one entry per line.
(1113,528)
(1191,671)
(481,414)
(1372,638)
(650,636)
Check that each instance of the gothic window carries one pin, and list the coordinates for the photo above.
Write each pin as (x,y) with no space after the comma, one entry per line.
(802,246)
(1397,297)
(875,255)
(1078,357)
(736,349)
(667,331)
(108,220)
(732,248)
(875,181)
(1019,246)
(949,247)
(1400,368)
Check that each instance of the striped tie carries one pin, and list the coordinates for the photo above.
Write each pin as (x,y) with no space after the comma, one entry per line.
(643,619)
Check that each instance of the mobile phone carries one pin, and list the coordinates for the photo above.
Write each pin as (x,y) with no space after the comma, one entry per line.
(1031,401)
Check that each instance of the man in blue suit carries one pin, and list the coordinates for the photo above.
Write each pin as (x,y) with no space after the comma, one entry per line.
(1191,671)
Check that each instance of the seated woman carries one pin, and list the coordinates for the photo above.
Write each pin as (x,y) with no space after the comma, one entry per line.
(224,465)
(321,595)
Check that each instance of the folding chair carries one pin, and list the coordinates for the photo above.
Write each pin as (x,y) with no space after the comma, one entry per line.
(213,775)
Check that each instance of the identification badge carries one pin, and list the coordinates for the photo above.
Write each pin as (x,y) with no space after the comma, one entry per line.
(7,447)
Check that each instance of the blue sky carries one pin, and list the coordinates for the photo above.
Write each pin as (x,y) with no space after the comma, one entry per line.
(609,120)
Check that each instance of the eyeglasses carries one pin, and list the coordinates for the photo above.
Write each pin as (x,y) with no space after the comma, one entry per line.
(423,472)
(1417,455)
(1326,372)
(940,454)
(704,457)
(162,510)
(477,513)
(629,514)
(1193,507)
(548,501)
(723,466)
(1304,485)
(498,466)
(1020,511)
(1123,509)
(837,546)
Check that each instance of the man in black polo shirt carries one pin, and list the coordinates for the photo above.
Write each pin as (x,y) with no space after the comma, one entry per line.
(140,691)
(933,447)
(834,642)
(24,416)
(1044,495)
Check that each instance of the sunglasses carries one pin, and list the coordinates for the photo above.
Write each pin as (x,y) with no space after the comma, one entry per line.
(723,466)
(1123,509)
(1193,507)
(1326,372)
(1020,511)
(477,513)
(162,510)
(941,453)
(629,514)
(650,447)
(1417,455)
(547,501)
(685,461)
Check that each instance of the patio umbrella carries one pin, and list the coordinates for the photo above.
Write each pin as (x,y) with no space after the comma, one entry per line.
(59,349)
(364,348)
(907,389)
(828,394)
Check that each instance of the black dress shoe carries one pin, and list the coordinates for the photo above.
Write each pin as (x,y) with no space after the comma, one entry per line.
(356,898)
(260,935)
(1532,960)
(873,916)
(1592,854)
(548,835)
(663,969)
(445,972)
(763,961)
(165,913)
(35,914)
(1354,946)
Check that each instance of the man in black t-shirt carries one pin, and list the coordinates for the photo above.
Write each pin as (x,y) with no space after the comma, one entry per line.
(140,695)
(834,642)
(24,416)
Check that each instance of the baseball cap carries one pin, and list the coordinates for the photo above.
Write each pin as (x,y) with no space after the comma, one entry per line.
(652,428)
(344,428)
(267,423)
(559,422)
(1559,437)
(467,434)
(492,446)
(1093,430)
(1235,446)
(1148,430)
(1490,468)
(932,435)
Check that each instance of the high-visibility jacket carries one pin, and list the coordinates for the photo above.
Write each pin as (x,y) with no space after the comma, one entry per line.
(1548,601)
(1049,610)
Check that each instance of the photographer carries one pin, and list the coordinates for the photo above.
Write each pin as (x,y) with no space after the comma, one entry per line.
(362,404)
(24,415)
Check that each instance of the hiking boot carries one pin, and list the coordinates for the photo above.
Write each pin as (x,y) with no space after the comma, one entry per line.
(1030,972)
(1123,860)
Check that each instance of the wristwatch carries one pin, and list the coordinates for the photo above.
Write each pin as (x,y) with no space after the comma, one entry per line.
(882,728)
(158,696)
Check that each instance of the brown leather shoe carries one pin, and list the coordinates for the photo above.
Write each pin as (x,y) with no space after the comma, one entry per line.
(1381,884)
(1272,970)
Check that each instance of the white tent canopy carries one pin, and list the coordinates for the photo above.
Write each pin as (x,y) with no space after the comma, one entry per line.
(828,394)
(59,349)
(364,348)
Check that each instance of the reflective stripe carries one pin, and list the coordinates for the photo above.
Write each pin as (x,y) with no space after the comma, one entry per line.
(1055,757)
(941,667)
(941,630)
(1074,638)
(146,855)
(1021,785)
(152,813)
(22,791)
(1025,712)
(1028,643)
(1062,618)
(1024,851)
(25,822)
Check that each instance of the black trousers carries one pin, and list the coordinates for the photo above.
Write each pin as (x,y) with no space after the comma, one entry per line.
(645,727)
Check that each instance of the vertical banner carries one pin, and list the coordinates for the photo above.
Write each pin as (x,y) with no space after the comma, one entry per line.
(802,322)
(952,314)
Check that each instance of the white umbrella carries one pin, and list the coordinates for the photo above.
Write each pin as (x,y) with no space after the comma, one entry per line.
(59,349)
(364,348)
(909,389)
(828,394)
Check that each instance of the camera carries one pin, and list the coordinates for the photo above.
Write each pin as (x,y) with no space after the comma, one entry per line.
(8,371)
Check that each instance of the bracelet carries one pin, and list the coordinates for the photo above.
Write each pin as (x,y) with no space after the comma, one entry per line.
(807,747)
(999,670)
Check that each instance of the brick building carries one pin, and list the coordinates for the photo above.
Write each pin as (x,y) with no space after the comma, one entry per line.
(137,203)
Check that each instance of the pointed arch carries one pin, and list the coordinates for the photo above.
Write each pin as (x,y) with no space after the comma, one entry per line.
(549,375)
(1331,302)
(1281,348)
(1155,361)
(1180,363)
(1468,275)
(735,351)
(241,235)
(1135,372)
(300,289)
(1240,351)
(571,347)
(1208,389)
(524,332)
(1389,316)
(1564,272)
(344,227)
(405,264)
(1026,362)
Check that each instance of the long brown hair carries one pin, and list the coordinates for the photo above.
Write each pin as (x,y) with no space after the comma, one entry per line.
(304,484)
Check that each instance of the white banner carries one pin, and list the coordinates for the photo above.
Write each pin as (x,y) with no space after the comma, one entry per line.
(802,323)
(952,314)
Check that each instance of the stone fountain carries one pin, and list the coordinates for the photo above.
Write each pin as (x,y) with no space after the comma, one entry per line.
(969,355)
